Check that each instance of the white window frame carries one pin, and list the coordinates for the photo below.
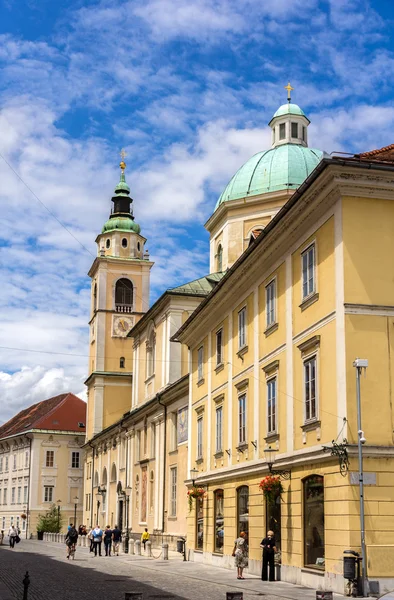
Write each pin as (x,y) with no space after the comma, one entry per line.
(74,455)
(242,418)
(6,464)
(173,490)
(219,429)
(242,319)
(19,495)
(26,460)
(200,363)
(270,303)
(272,415)
(48,493)
(13,495)
(14,464)
(307,361)
(1,464)
(200,436)
(48,454)
(219,348)
(311,273)
(5,496)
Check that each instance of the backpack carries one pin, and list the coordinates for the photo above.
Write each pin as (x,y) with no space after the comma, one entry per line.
(73,534)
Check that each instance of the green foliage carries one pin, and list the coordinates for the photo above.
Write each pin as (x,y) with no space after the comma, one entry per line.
(51,522)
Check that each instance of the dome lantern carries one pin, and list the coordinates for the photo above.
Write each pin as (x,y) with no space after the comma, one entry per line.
(289,124)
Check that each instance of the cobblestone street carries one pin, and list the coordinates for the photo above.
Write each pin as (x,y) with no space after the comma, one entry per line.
(89,578)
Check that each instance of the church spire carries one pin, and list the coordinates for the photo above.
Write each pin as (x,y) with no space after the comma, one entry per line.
(122,214)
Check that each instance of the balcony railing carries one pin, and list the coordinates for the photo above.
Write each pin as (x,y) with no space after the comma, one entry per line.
(123,308)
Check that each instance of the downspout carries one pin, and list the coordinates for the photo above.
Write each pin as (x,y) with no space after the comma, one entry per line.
(28,495)
(164,460)
(91,499)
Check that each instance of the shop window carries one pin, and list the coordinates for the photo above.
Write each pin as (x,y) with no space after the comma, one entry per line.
(314,522)
(199,523)
(219,521)
(242,509)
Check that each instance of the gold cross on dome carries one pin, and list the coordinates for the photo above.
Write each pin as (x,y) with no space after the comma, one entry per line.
(122,155)
(289,89)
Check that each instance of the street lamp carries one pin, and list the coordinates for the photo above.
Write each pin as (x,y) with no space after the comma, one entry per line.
(360,364)
(127,493)
(193,475)
(58,515)
(75,510)
(270,455)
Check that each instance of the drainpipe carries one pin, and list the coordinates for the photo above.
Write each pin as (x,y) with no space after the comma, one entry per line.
(91,500)
(28,495)
(164,460)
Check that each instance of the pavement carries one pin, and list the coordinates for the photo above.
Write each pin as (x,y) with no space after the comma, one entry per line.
(53,577)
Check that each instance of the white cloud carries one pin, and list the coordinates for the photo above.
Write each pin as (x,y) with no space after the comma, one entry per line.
(30,385)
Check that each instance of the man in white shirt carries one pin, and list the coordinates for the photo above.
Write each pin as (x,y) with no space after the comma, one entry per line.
(12,533)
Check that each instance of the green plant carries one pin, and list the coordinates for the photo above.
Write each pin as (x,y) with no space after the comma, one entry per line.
(51,522)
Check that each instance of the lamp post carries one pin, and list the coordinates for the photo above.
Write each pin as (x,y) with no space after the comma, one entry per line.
(127,492)
(99,493)
(270,455)
(58,515)
(75,510)
(360,364)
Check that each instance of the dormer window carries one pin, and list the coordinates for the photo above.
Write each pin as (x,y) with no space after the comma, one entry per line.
(294,130)
(282,131)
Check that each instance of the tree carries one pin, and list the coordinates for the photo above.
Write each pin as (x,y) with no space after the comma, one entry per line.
(51,522)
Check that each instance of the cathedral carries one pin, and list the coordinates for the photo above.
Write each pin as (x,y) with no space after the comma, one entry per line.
(229,405)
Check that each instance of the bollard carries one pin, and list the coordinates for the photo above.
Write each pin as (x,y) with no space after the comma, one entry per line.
(26,583)
(131,546)
(165,551)
(137,546)
(148,546)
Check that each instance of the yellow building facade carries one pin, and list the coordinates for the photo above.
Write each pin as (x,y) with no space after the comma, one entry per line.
(249,371)
(272,351)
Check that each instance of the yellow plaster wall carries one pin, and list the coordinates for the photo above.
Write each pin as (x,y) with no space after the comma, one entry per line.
(117,401)
(371,337)
(368,250)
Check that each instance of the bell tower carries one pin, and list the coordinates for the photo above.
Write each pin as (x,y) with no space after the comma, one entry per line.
(120,277)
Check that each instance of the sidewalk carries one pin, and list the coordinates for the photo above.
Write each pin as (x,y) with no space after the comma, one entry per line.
(175,566)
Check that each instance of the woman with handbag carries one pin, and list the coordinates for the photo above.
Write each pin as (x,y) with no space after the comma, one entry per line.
(12,534)
(240,552)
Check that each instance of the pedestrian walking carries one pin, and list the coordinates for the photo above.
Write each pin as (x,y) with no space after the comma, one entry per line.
(116,538)
(268,544)
(97,539)
(107,540)
(240,552)
(12,534)
(1,537)
(90,537)
(145,537)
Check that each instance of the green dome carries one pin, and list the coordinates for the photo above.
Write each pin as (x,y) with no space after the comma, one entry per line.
(289,109)
(121,224)
(281,168)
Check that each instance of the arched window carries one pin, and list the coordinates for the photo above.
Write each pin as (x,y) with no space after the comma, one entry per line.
(199,523)
(124,295)
(219,258)
(108,243)
(124,243)
(219,521)
(122,362)
(95,297)
(242,509)
(96,479)
(313,488)
(151,354)
(113,473)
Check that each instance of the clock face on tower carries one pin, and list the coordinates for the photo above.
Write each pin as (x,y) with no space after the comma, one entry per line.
(121,325)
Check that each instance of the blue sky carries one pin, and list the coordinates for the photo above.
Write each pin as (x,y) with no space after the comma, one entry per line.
(187,87)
